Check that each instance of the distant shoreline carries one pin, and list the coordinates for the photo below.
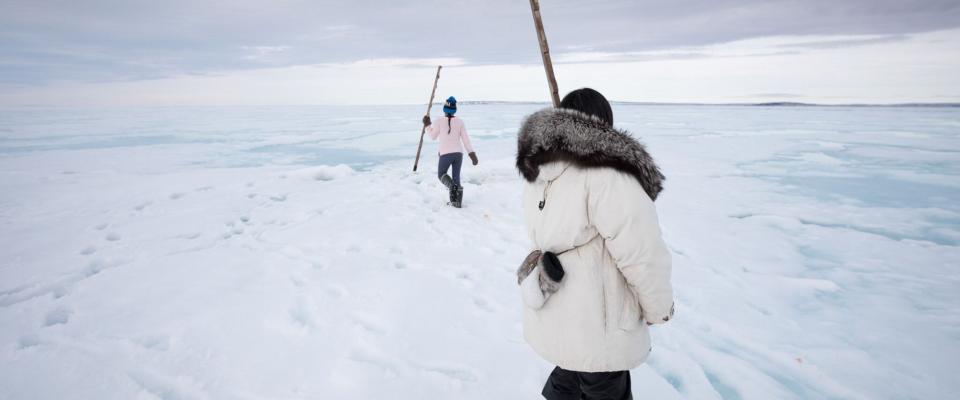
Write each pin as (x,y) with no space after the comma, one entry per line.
(496,102)
(762,104)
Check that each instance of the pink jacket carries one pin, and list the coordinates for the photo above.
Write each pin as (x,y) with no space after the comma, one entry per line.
(450,142)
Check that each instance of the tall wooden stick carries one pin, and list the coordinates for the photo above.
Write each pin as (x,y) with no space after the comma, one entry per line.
(545,52)
(424,129)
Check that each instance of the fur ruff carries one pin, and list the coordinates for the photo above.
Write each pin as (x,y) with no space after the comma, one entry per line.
(557,134)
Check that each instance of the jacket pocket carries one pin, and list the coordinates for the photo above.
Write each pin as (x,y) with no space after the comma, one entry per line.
(630,315)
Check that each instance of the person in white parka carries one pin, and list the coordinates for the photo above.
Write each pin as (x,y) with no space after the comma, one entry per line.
(599,272)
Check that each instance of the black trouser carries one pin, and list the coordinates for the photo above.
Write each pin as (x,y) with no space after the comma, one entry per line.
(450,160)
(573,385)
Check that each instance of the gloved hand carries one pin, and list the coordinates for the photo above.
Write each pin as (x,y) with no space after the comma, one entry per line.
(426,120)
(473,157)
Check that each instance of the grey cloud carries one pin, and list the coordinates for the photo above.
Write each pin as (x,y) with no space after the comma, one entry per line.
(840,43)
(777,95)
(137,39)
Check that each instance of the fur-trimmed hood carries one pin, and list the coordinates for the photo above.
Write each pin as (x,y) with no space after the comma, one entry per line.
(558,134)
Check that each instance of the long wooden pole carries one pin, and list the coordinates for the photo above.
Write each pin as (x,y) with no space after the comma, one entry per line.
(545,52)
(424,129)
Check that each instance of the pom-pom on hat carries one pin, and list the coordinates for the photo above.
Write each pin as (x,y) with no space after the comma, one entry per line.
(450,107)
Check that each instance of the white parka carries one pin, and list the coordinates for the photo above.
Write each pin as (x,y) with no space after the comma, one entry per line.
(590,200)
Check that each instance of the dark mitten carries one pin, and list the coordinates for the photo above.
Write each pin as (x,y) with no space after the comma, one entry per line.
(426,120)
(473,157)
(551,265)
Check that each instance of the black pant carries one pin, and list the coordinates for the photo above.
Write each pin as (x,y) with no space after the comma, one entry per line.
(573,385)
(450,160)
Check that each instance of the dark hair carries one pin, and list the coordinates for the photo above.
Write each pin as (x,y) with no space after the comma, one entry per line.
(590,102)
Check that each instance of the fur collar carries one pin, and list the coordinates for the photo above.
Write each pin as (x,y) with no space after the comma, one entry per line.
(557,134)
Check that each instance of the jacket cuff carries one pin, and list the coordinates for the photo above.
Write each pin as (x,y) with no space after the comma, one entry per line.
(660,318)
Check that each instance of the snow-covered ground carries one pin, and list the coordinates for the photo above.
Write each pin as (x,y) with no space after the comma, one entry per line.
(290,253)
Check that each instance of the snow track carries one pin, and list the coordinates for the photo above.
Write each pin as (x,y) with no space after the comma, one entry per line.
(186,271)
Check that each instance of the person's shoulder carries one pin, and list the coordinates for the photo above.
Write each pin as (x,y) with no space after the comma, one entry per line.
(605,173)
(610,177)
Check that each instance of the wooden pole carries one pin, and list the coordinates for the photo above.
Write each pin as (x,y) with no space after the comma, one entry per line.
(545,52)
(424,129)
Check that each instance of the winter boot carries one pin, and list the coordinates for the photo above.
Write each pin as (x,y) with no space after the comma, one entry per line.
(453,196)
(448,182)
(456,196)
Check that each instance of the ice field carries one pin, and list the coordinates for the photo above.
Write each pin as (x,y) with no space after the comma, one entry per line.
(291,253)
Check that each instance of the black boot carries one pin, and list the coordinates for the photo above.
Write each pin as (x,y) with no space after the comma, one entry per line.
(453,196)
(447,181)
(456,196)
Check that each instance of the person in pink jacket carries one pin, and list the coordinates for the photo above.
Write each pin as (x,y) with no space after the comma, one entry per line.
(453,138)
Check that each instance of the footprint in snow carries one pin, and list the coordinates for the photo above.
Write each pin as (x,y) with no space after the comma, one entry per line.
(166,387)
(141,206)
(58,316)
(101,226)
(482,304)
(27,341)
(174,196)
(112,237)
(60,291)
(301,315)
(335,291)
(454,372)
(232,229)
(95,267)
(153,342)
(369,325)
(297,281)
(86,251)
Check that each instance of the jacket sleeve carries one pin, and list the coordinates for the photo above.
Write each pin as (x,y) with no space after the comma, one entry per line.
(626,219)
(465,137)
(433,131)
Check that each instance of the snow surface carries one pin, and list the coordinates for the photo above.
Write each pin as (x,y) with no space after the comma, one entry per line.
(290,253)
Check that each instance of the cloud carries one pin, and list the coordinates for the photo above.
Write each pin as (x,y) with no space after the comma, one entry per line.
(133,39)
(262,53)
(752,47)
(398,62)
(845,42)
(775,96)
(921,68)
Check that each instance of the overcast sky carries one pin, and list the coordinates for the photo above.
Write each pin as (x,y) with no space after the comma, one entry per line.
(133,52)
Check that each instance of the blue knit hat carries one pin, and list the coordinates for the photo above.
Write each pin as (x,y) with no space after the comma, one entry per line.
(450,107)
